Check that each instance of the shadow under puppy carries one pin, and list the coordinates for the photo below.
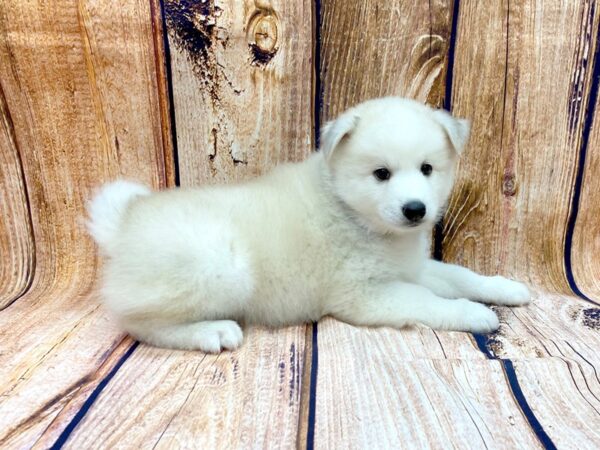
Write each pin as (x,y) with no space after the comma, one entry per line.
(344,233)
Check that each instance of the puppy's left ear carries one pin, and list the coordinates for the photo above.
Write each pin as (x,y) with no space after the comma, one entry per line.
(458,130)
(334,132)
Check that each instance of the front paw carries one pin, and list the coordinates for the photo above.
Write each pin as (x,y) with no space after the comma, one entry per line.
(502,291)
(475,317)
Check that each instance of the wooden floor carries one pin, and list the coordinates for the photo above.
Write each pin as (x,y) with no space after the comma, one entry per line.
(191,93)
(534,384)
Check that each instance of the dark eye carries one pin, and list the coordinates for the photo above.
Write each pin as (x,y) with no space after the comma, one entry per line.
(426,169)
(382,174)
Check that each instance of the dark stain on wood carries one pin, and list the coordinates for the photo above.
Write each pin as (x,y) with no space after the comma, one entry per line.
(281,375)
(591,318)
(191,25)
(260,57)
(576,91)
(509,185)
(294,375)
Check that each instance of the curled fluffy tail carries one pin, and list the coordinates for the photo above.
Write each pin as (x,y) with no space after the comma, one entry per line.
(107,208)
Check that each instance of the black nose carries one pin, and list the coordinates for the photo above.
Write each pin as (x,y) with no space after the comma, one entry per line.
(414,210)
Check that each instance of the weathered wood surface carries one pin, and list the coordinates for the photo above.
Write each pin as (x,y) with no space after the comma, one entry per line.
(585,250)
(400,388)
(17,256)
(373,394)
(249,398)
(553,344)
(242,86)
(243,98)
(510,209)
(77,122)
(372,49)
(565,401)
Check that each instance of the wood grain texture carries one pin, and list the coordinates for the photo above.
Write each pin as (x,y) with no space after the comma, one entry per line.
(566,404)
(585,248)
(17,255)
(372,49)
(524,85)
(242,86)
(373,394)
(78,122)
(553,344)
(554,325)
(167,399)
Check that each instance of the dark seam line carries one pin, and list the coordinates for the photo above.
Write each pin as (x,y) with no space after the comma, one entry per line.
(318,100)
(515,387)
(64,436)
(482,341)
(312,402)
(171,99)
(438,237)
(318,106)
(587,127)
(451,52)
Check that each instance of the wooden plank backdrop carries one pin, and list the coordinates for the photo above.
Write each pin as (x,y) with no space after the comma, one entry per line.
(81,85)
(242,86)
(585,248)
(206,91)
(16,240)
(499,220)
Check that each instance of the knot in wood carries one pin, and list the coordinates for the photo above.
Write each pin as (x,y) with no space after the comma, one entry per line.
(264,33)
(509,185)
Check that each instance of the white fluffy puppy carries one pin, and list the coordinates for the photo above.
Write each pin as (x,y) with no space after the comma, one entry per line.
(345,233)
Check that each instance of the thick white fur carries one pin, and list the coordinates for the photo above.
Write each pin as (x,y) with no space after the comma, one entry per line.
(321,237)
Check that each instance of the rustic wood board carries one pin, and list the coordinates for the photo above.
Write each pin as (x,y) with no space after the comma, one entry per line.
(524,84)
(585,249)
(77,123)
(242,86)
(159,398)
(553,325)
(554,346)
(17,254)
(556,335)
(372,49)
(372,394)
(565,399)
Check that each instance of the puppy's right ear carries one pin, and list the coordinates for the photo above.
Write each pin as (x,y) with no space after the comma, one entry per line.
(334,132)
(457,130)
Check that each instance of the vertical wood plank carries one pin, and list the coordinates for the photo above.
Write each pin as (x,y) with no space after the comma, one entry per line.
(17,254)
(585,262)
(372,49)
(241,86)
(525,85)
(92,114)
(249,398)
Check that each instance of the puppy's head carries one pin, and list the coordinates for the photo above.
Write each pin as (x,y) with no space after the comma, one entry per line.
(392,161)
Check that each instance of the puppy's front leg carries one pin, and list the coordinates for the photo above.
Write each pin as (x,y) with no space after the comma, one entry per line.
(399,304)
(449,280)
